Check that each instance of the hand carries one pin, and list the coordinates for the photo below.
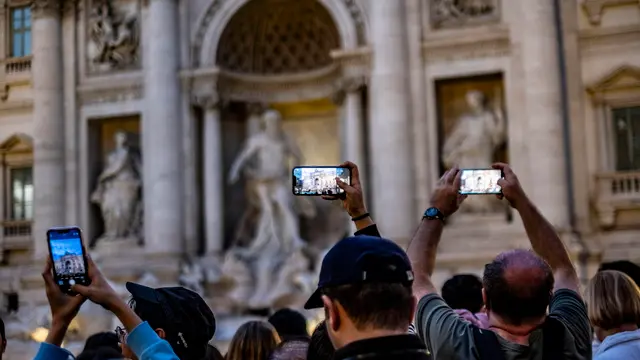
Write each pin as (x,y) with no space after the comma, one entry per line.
(446,197)
(64,307)
(352,199)
(99,291)
(479,320)
(510,185)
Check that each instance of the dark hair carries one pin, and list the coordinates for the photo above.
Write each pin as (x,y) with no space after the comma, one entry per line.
(4,338)
(320,346)
(463,291)
(386,306)
(289,323)
(517,302)
(103,353)
(254,340)
(631,269)
(291,349)
(101,340)
(213,353)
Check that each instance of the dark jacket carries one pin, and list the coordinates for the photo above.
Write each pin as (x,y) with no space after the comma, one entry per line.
(398,347)
(371,230)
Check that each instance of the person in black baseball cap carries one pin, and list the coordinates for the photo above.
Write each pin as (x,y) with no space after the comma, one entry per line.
(365,290)
(179,316)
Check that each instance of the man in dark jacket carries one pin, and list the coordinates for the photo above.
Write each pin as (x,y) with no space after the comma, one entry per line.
(365,290)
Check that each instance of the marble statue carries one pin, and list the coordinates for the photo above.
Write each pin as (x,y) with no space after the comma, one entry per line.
(192,277)
(113,34)
(473,141)
(271,149)
(118,192)
(457,11)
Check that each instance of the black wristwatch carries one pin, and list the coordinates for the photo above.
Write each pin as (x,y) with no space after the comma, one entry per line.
(433,214)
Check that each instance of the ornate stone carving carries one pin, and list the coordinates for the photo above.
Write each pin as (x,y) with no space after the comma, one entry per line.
(119,192)
(347,85)
(595,8)
(42,8)
(473,141)
(114,33)
(454,13)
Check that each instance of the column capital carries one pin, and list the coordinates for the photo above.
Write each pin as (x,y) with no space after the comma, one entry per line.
(46,8)
(209,102)
(347,85)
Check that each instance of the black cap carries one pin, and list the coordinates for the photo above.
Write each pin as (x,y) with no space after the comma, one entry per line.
(362,259)
(185,317)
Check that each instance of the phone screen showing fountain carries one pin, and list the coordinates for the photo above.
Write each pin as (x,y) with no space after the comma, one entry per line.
(319,180)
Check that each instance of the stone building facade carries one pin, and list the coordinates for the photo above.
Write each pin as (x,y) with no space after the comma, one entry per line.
(381,83)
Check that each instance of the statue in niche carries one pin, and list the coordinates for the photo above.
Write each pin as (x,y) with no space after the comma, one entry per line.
(273,255)
(114,36)
(119,194)
(474,140)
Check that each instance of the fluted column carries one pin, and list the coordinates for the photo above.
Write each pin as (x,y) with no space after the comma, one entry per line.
(48,122)
(161,131)
(390,126)
(541,84)
(213,179)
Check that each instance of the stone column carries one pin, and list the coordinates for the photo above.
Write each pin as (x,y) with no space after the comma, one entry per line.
(161,131)
(541,86)
(390,125)
(213,179)
(48,122)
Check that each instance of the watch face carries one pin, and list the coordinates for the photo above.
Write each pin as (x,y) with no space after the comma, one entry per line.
(432,212)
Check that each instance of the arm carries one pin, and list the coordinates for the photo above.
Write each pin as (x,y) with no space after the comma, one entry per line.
(547,244)
(249,149)
(422,253)
(147,345)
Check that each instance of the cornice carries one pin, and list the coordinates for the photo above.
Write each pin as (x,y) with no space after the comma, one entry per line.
(595,38)
(111,89)
(16,105)
(466,44)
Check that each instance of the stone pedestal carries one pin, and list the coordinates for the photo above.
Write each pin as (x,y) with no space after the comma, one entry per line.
(390,142)
(161,131)
(48,123)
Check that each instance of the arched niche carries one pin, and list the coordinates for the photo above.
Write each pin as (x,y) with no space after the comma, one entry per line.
(346,14)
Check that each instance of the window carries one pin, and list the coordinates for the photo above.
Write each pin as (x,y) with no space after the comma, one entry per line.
(20,31)
(21,193)
(626,125)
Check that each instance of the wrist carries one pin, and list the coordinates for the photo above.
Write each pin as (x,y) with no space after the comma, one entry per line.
(59,323)
(522,204)
(358,212)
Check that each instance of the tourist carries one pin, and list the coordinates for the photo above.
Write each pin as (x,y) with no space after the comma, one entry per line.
(518,287)
(320,346)
(144,342)
(101,346)
(289,324)
(463,293)
(102,353)
(291,349)
(365,290)
(625,266)
(613,300)
(254,340)
(213,353)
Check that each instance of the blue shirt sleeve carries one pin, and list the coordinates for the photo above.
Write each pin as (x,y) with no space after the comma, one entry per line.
(52,352)
(147,345)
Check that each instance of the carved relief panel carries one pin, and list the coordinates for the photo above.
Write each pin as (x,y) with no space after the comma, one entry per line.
(113,35)
(459,13)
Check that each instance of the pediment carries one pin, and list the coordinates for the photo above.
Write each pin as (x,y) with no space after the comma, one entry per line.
(17,143)
(623,78)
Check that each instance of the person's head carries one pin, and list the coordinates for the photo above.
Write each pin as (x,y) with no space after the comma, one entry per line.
(463,291)
(613,301)
(476,100)
(120,139)
(254,340)
(517,287)
(365,289)
(627,267)
(320,346)
(291,349)
(100,353)
(213,353)
(102,340)
(289,323)
(3,342)
(178,315)
(272,120)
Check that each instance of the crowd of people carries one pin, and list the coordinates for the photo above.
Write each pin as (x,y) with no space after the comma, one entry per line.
(380,302)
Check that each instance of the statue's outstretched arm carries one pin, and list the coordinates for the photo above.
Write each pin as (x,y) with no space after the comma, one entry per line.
(248,150)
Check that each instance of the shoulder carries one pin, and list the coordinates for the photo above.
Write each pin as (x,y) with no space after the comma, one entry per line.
(569,313)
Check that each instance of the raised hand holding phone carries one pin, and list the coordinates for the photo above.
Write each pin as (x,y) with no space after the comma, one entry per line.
(352,196)
(68,257)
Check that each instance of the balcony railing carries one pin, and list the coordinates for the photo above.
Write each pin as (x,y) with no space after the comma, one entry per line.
(16,234)
(17,65)
(617,191)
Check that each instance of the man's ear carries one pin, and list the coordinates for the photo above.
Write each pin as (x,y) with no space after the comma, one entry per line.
(484,299)
(160,333)
(331,313)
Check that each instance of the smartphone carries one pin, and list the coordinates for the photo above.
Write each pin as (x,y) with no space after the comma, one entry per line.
(69,259)
(480,181)
(319,180)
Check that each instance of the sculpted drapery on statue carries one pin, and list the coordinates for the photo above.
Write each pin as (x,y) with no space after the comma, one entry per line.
(118,192)
(113,36)
(474,140)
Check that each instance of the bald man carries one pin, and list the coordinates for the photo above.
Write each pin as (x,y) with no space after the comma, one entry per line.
(518,287)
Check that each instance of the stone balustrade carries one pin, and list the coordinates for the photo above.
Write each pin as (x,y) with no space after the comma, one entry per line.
(15,235)
(616,191)
(17,65)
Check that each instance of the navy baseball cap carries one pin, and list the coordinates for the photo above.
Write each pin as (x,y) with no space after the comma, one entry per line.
(185,317)
(362,259)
